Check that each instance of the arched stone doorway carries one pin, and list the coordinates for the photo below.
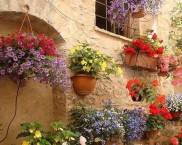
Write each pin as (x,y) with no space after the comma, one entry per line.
(36,102)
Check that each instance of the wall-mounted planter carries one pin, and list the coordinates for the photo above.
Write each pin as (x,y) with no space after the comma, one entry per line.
(141,61)
(83,84)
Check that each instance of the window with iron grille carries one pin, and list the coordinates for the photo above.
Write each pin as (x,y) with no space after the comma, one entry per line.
(103,22)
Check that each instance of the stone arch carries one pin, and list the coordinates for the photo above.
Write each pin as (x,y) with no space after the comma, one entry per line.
(37,102)
(14,19)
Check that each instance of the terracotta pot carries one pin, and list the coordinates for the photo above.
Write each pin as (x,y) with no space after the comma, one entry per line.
(141,61)
(83,84)
(176,115)
(151,134)
(139,14)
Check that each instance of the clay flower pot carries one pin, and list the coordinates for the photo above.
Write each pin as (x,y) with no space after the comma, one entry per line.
(141,61)
(139,14)
(176,115)
(83,84)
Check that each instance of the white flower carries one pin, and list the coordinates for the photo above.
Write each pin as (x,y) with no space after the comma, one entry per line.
(82,140)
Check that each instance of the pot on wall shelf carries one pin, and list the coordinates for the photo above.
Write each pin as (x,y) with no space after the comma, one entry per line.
(141,61)
(83,84)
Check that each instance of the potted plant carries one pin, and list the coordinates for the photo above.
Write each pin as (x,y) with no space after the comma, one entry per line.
(24,56)
(158,114)
(140,90)
(174,105)
(33,133)
(144,52)
(88,65)
(167,64)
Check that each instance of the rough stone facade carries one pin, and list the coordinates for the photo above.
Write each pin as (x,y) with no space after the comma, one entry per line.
(67,21)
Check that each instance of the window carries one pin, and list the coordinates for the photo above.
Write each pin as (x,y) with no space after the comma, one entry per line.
(102,19)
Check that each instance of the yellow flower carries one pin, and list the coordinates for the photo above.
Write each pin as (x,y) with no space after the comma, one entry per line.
(119,71)
(86,68)
(83,62)
(103,66)
(37,134)
(25,142)
(72,50)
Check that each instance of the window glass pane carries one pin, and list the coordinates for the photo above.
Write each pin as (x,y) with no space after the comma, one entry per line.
(109,2)
(100,22)
(109,26)
(100,10)
(101,1)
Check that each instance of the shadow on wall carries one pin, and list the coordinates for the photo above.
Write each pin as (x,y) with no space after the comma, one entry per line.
(36,101)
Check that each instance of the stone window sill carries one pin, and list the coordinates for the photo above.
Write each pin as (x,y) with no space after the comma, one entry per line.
(112,34)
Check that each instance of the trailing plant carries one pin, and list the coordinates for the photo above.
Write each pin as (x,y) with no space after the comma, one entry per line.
(135,124)
(34,134)
(174,103)
(98,126)
(141,90)
(119,9)
(84,59)
(24,56)
(149,44)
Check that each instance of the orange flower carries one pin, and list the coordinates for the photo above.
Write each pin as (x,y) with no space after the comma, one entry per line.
(160,100)
(155,83)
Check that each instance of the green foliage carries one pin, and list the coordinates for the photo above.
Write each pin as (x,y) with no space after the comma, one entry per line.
(155,122)
(34,134)
(84,59)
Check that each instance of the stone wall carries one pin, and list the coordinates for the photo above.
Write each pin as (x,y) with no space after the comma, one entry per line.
(40,102)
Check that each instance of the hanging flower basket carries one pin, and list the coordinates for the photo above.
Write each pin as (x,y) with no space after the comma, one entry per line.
(141,61)
(83,84)
(139,14)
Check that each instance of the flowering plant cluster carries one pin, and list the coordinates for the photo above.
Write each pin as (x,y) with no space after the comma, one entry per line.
(35,135)
(177,140)
(83,59)
(24,55)
(167,63)
(140,90)
(119,9)
(150,45)
(174,103)
(158,114)
(135,124)
(98,126)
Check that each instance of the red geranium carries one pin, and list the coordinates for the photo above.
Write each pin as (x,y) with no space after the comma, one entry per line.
(160,50)
(129,50)
(154,110)
(165,113)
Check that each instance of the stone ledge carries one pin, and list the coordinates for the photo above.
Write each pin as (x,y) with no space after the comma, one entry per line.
(112,34)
